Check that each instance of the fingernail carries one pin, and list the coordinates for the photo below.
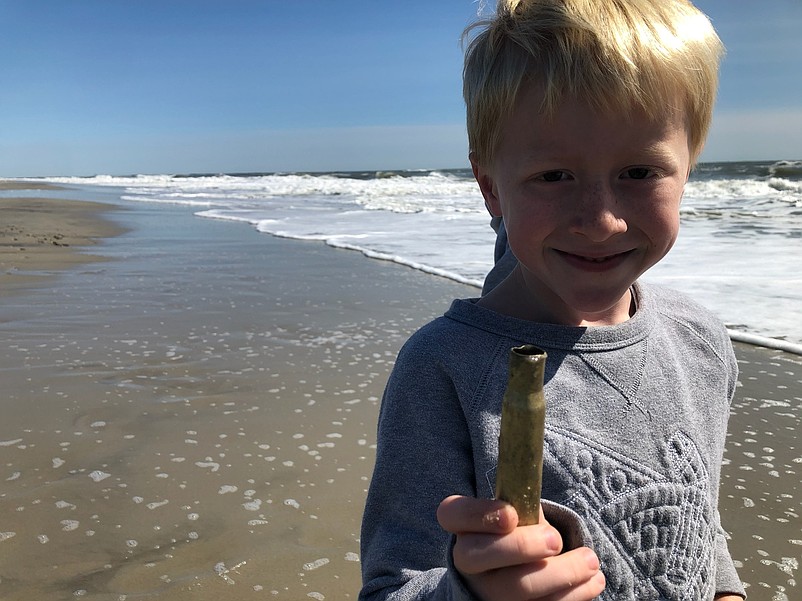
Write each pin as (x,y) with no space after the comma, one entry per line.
(552,541)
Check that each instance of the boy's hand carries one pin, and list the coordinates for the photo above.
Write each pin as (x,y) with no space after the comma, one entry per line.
(502,562)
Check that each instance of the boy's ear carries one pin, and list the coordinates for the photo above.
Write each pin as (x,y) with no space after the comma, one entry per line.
(486,185)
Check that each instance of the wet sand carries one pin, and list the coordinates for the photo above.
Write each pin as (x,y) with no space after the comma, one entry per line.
(761,495)
(195,419)
(36,232)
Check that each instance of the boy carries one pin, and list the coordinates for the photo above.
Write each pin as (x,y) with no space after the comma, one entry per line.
(584,120)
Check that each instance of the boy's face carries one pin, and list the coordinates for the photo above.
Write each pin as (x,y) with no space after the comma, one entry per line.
(590,202)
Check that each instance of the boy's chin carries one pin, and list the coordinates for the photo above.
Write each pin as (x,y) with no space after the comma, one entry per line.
(600,309)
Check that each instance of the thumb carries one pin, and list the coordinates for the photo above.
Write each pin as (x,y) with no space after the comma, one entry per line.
(457,514)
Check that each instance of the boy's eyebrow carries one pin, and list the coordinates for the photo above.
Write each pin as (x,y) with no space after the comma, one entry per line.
(658,151)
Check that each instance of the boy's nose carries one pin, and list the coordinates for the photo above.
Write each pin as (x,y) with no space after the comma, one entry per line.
(597,214)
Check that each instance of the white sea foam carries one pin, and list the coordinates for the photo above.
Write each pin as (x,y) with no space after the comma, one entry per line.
(737,252)
(213,465)
(98,475)
(318,563)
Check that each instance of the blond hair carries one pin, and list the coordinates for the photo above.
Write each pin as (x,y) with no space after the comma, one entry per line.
(615,55)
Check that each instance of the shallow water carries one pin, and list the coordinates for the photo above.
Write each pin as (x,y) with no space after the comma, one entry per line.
(195,424)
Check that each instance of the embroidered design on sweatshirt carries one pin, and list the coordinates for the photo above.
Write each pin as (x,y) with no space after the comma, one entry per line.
(653,531)
(627,384)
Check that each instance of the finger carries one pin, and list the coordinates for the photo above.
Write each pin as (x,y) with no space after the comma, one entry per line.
(563,577)
(458,514)
(584,592)
(567,577)
(475,552)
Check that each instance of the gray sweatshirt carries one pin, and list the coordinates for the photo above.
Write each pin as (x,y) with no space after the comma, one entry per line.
(636,422)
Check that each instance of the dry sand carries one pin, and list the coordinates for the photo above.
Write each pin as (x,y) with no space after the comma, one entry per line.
(196,420)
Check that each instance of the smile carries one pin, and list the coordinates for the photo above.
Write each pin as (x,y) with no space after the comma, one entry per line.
(594,263)
(600,259)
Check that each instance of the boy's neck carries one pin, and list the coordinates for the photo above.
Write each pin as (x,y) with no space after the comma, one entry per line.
(514,298)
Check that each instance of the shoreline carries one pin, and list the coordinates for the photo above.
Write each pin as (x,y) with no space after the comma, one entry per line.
(41,237)
(39,241)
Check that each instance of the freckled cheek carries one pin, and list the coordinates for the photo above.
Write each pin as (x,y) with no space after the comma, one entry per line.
(535,209)
(526,230)
(521,215)
(662,228)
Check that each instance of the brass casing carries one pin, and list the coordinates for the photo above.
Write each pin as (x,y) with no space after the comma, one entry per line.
(520,445)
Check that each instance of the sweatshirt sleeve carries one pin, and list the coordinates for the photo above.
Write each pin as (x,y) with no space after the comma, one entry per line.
(423,456)
(727,579)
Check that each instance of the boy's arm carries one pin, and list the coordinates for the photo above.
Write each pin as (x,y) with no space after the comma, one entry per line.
(727,579)
(424,455)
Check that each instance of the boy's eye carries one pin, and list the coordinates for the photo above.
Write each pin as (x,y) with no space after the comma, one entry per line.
(553,176)
(638,173)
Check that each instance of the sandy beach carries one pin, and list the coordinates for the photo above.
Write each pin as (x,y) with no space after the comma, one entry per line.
(35,232)
(193,416)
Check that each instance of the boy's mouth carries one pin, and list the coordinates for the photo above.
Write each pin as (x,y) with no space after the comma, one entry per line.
(594,262)
(595,259)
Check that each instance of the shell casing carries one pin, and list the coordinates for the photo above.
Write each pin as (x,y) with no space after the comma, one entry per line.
(520,447)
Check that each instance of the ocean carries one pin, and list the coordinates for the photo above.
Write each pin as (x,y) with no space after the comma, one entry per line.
(738,252)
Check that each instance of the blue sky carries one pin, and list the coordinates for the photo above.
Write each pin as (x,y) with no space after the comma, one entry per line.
(177,86)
